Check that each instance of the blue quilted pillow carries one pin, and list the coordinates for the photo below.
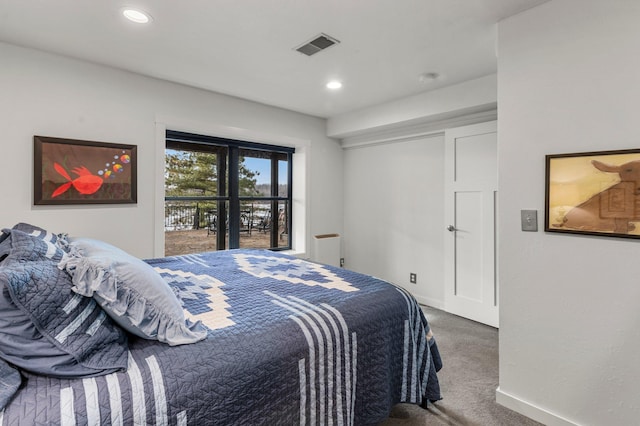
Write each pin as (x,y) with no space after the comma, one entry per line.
(44,326)
(59,240)
(5,245)
(35,231)
(10,381)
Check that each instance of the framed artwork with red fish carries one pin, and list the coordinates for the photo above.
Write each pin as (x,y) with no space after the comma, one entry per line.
(69,171)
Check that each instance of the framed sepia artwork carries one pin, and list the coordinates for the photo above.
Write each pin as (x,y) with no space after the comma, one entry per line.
(68,171)
(594,193)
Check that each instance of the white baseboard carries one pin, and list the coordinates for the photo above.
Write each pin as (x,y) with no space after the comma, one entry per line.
(533,412)
(438,304)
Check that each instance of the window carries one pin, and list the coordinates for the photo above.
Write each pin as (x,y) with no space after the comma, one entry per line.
(223,194)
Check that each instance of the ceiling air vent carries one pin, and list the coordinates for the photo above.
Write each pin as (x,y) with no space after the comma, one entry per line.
(317,44)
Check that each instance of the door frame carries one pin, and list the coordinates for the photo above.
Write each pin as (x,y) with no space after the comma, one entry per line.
(491,317)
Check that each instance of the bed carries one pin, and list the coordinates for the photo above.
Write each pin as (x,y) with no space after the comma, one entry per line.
(266,338)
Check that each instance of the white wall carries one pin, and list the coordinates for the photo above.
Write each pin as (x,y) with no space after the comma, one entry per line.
(394,213)
(394,182)
(50,95)
(568,81)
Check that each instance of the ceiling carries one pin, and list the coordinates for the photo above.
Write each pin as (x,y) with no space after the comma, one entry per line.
(246,48)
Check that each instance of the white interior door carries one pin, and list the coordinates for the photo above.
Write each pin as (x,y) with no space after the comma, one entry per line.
(471,182)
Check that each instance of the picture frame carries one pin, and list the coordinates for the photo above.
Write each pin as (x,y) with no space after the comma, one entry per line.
(70,171)
(593,193)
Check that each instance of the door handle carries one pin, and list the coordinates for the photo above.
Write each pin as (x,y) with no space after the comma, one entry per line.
(451,228)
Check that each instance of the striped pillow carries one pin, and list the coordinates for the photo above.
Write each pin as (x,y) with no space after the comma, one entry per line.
(45,327)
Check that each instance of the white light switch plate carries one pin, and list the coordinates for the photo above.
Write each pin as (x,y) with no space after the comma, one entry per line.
(529,220)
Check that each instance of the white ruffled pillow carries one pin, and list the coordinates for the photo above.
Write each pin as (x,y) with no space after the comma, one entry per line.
(130,291)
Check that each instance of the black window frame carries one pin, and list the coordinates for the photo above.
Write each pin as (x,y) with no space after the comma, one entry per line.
(228,197)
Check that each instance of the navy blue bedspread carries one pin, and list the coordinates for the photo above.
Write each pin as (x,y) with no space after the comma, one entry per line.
(290,342)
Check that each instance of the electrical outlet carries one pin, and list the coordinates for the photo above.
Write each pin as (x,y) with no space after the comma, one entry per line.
(413,278)
(342,262)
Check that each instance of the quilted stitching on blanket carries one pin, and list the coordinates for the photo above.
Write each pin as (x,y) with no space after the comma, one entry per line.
(285,346)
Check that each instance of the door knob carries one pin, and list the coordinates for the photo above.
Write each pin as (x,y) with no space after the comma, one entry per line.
(451,228)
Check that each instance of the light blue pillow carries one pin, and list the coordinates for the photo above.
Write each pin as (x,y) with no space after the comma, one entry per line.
(46,328)
(131,292)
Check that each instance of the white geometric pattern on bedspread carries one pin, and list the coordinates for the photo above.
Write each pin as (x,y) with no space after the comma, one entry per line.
(218,317)
(301,347)
(195,285)
(295,271)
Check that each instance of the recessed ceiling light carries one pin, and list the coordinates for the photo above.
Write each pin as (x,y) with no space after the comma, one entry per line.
(136,15)
(334,85)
